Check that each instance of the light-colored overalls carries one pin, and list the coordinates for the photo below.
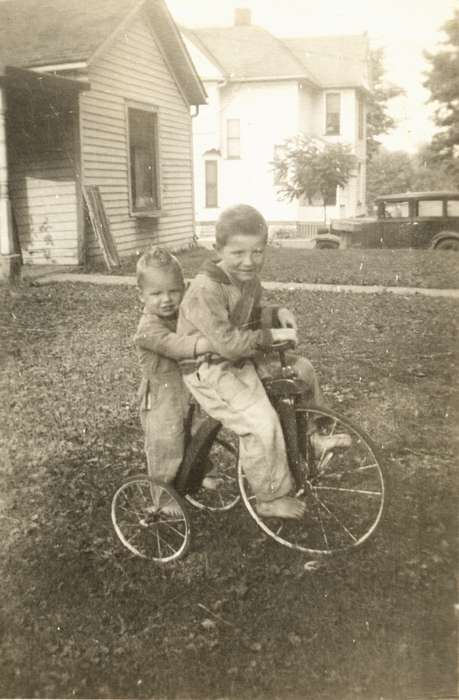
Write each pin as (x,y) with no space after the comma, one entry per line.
(227,385)
(163,398)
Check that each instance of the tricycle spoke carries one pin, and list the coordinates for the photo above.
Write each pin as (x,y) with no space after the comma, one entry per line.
(340,488)
(334,517)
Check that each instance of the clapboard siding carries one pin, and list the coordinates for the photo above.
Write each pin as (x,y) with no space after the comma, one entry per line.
(133,69)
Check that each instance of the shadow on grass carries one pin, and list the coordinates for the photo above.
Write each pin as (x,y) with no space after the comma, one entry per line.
(239,617)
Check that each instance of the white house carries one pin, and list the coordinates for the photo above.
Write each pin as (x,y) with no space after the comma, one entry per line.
(261,91)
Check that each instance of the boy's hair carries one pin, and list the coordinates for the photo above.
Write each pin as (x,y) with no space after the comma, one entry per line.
(240,218)
(158,259)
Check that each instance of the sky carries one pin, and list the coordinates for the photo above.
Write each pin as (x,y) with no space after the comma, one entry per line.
(405,28)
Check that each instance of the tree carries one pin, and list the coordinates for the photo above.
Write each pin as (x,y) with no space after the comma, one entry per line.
(311,167)
(443,83)
(378,120)
(390,172)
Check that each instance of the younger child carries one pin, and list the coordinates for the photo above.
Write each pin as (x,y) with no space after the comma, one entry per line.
(162,394)
(223,304)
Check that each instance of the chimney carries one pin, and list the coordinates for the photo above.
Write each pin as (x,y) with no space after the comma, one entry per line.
(242,17)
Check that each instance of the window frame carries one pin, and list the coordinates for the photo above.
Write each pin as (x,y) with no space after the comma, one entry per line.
(333,93)
(447,213)
(395,203)
(210,161)
(156,211)
(233,138)
(430,216)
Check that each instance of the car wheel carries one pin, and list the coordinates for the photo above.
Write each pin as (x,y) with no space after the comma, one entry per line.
(448,244)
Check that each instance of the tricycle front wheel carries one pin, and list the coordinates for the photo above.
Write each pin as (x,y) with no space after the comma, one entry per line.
(344,488)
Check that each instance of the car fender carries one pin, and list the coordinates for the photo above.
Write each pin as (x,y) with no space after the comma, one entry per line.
(328,240)
(441,236)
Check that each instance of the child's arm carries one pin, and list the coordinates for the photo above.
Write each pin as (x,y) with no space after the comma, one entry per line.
(205,309)
(165,342)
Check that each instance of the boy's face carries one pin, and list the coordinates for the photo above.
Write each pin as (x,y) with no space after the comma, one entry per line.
(161,293)
(243,255)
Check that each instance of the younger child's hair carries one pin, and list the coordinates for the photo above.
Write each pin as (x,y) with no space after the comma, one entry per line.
(158,259)
(240,218)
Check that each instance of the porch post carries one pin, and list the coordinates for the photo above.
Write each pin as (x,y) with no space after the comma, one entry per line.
(10,261)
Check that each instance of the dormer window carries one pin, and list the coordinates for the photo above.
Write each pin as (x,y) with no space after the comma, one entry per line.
(332,113)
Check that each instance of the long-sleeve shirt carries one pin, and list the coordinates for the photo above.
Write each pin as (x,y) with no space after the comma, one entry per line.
(158,349)
(228,315)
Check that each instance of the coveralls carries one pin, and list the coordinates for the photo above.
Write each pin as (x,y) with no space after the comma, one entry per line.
(227,385)
(163,398)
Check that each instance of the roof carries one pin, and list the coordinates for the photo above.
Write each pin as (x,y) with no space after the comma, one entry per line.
(36,33)
(335,61)
(248,52)
(419,195)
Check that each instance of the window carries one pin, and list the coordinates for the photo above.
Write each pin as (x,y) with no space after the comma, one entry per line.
(233,138)
(452,207)
(396,210)
(430,208)
(332,113)
(211,183)
(144,162)
(361,118)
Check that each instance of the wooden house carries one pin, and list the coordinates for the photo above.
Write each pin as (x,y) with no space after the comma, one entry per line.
(263,90)
(94,94)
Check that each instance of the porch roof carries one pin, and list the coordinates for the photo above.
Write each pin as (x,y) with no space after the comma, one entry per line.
(36,33)
(29,78)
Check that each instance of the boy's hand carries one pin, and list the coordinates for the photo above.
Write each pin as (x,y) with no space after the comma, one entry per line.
(282,334)
(202,346)
(286,318)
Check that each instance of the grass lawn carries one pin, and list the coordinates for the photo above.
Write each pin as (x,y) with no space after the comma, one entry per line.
(391,268)
(82,618)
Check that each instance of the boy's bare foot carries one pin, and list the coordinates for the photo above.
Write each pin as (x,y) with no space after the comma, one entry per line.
(285,507)
(171,507)
(212,483)
(164,503)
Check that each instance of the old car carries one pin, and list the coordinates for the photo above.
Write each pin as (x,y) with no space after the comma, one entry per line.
(407,220)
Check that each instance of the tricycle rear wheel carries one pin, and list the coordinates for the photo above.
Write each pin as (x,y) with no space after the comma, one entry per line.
(345,490)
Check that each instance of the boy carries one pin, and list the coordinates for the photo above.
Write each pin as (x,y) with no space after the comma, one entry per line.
(163,397)
(223,304)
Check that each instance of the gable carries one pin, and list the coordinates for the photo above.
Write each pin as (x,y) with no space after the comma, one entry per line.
(36,33)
